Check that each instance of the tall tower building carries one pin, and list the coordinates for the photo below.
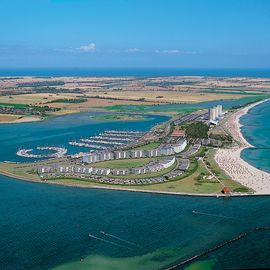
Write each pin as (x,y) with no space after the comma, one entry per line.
(212,114)
(220,110)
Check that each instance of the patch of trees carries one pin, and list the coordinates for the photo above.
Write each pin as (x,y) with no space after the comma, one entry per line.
(55,90)
(26,109)
(226,138)
(197,130)
(68,100)
(40,84)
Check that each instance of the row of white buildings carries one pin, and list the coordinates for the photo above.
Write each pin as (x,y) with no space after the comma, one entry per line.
(151,167)
(163,150)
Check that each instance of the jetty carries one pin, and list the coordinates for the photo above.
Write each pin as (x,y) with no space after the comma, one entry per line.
(109,139)
(102,141)
(217,247)
(81,144)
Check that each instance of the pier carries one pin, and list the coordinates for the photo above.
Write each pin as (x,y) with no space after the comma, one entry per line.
(101,141)
(109,139)
(81,144)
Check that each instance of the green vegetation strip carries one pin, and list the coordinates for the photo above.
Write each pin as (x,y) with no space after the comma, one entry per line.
(116,117)
(68,100)
(16,105)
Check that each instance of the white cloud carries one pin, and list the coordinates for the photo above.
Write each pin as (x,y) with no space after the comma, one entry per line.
(168,51)
(175,51)
(134,50)
(91,47)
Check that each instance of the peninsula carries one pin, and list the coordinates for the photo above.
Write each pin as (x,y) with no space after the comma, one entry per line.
(196,152)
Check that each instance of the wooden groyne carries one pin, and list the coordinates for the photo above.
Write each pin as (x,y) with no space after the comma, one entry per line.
(215,248)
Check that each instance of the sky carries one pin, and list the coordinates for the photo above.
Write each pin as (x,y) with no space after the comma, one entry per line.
(135,34)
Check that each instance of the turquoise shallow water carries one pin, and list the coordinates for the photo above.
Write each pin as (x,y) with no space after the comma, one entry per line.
(257,131)
(46,227)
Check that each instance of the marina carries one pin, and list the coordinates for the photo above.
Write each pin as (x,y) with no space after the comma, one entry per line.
(111,142)
(93,146)
(28,153)
(109,139)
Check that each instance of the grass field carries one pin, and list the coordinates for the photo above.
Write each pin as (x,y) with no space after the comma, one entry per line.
(148,146)
(124,163)
(187,184)
(144,108)
(120,101)
(170,96)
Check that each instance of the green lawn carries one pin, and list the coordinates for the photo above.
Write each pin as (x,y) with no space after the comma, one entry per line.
(186,184)
(16,105)
(146,175)
(123,163)
(148,146)
(147,108)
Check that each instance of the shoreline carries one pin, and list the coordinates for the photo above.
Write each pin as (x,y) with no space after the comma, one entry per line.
(124,189)
(40,119)
(19,119)
(229,159)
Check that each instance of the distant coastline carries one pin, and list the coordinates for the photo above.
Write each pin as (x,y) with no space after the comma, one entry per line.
(140,72)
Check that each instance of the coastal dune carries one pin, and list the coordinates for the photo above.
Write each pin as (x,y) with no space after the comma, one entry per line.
(229,159)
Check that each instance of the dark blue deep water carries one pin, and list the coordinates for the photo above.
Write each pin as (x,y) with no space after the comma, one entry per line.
(44,226)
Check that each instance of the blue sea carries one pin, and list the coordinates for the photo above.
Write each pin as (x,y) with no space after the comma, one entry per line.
(47,227)
(257,131)
(135,72)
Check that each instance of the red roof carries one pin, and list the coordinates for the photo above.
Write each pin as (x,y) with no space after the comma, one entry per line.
(226,190)
(178,133)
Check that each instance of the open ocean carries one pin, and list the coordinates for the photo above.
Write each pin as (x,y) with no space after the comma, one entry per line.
(136,72)
(256,130)
(46,227)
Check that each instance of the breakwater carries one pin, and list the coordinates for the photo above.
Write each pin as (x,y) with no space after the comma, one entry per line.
(58,152)
(217,247)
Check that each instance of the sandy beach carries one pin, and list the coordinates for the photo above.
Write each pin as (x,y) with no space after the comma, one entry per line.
(10,119)
(229,159)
